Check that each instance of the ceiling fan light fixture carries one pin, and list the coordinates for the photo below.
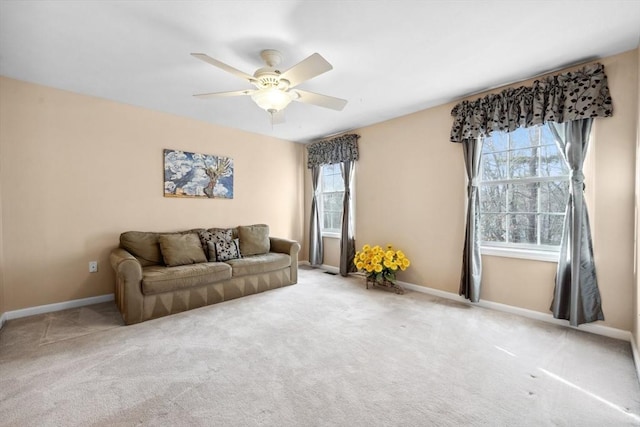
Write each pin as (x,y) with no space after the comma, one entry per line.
(275,89)
(271,99)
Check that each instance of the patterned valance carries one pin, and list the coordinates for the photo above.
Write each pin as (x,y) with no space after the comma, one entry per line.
(561,98)
(335,150)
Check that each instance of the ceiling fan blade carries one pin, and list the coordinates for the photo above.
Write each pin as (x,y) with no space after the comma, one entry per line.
(222,94)
(223,66)
(307,69)
(320,100)
(277,117)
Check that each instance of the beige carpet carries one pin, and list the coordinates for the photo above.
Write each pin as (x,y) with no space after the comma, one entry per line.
(325,352)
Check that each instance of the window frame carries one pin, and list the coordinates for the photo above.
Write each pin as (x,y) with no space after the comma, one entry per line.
(331,232)
(534,251)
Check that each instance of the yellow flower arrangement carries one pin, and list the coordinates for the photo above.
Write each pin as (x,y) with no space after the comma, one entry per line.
(381,264)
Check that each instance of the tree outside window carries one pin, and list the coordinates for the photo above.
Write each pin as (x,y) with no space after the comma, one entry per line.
(524,186)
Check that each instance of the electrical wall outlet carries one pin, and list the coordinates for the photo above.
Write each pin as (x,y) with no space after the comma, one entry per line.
(93,267)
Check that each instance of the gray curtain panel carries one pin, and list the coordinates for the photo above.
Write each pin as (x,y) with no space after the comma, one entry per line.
(316,251)
(471,260)
(576,296)
(561,98)
(347,237)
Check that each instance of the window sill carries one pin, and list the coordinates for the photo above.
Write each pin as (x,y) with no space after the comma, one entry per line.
(547,256)
(330,235)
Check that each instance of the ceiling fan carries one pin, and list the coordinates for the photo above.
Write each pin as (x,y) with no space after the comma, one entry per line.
(275,89)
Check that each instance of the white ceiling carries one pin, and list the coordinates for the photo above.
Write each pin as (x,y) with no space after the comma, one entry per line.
(390,58)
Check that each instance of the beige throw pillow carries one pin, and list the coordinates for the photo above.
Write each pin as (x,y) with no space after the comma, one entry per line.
(142,245)
(254,239)
(181,249)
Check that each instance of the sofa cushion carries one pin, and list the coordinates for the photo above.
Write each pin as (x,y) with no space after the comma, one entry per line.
(254,239)
(143,245)
(181,249)
(226,250)
(214,235)
(257,264)
(159,279)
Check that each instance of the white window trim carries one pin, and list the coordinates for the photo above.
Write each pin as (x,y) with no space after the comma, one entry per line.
(331,232)
(331,235)
(510,252)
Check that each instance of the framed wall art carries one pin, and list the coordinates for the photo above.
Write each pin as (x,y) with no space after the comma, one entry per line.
(197,175)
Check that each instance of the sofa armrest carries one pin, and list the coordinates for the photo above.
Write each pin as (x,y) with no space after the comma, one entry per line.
(285,246)
(290,247)
(128,289)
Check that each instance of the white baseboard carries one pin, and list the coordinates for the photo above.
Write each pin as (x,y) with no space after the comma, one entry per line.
(545,317)
(49,308)
(3,319)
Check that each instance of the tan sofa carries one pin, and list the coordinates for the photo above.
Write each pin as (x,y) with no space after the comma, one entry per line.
(158,274)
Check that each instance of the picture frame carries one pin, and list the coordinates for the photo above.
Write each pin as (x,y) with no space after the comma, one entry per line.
(196,175)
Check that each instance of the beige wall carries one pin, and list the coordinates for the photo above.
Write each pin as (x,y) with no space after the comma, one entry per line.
(410,193)
(612,196)
(411,190)
(77,171)
(636,294)
(332,251)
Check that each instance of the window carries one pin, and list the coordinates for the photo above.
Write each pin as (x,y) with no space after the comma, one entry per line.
(332,188)
(523,188)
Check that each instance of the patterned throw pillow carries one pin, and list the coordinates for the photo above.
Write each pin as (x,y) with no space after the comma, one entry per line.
(227,250)
(214,236)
